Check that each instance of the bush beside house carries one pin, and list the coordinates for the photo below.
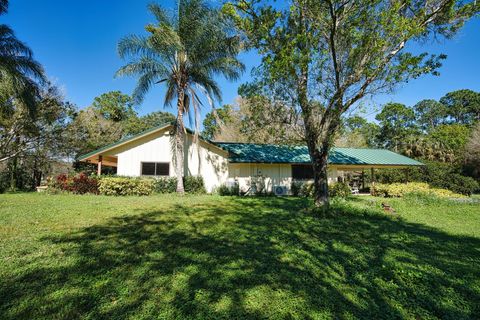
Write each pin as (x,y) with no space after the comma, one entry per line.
(125,186)
(340,190)
(122,186)
(401,189)
(438,175)
(77,184)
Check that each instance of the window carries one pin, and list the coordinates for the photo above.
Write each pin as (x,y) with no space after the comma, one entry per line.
(155,169)
(302,172)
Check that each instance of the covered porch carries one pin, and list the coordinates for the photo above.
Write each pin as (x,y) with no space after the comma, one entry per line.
(101,161)
(361,178)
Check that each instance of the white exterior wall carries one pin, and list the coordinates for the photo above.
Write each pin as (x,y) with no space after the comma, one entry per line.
(207,160)
(273,174)
(153,148)
(200,159)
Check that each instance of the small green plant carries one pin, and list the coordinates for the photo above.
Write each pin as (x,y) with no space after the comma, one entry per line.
(224,190)
(295,188)
(194,184)
(191,184)
(307,189)
(165,185)
(339,189)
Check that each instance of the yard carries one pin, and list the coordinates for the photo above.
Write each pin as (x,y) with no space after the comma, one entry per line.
(68,257)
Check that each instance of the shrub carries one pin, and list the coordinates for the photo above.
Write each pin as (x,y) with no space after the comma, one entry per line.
(339,189)
(126,186)
(307,189)
(82,184)
(302,188)
(295,188)
(460,184)
(401,189)
(194,184)
(233,190)
(191,184)
(78,184)
(61,182)
(165,185)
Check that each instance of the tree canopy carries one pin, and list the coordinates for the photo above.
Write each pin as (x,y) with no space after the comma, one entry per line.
(325,56)
(20,73)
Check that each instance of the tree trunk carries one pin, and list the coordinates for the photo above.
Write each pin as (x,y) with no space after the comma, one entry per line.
(319,156)
(179,142)
(13,174)
(320,179)
(319,140)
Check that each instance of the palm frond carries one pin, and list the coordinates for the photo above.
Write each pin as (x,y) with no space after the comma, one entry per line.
(143,65)
(160,14)
(134,45)
(3,6)
(171,92)
(144,83)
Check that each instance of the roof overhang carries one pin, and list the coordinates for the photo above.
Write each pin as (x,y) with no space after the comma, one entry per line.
(93,157)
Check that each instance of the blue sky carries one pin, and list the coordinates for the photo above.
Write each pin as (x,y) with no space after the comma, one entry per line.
(76,43)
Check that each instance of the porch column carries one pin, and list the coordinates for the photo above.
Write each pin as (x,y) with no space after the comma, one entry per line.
(99,165)
(372,170)
(363,179)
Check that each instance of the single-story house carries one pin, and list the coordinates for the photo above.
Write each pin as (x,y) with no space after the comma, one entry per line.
(150,153)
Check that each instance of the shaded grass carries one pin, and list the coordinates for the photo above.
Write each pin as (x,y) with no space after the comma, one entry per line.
(201,257)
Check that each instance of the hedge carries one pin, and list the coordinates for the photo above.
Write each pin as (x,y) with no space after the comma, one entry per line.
(125,186)
(122,186)
(402,189)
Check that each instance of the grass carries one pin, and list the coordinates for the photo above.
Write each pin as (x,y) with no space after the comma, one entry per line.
(201,257)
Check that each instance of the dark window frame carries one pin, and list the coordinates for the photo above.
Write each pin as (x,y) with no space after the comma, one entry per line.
(302,172)
(158,172)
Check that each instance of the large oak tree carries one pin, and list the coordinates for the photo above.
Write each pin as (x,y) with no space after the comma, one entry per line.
(326,55)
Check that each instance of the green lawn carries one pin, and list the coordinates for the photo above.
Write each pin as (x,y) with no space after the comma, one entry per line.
(68,257)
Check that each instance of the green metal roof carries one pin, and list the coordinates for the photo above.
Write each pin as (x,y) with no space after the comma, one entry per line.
(267,153)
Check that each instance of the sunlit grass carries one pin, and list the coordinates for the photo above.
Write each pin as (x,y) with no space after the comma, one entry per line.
(68,257)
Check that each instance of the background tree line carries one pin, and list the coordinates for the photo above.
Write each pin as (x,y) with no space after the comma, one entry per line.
(48,143)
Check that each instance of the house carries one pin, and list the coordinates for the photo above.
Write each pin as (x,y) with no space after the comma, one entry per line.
(150,154)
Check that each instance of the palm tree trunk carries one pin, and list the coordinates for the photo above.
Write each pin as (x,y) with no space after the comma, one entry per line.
(179,142)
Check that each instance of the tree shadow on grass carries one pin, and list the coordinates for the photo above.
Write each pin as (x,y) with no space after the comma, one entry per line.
(251,258)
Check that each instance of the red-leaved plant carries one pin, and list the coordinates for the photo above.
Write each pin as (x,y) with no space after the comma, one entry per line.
(78,184)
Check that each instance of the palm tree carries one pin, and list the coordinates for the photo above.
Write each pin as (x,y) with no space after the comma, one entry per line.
(184,51)
(18,70)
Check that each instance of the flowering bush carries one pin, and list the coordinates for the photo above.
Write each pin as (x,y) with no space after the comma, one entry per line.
(78,184)
(82,184)
(401,189)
